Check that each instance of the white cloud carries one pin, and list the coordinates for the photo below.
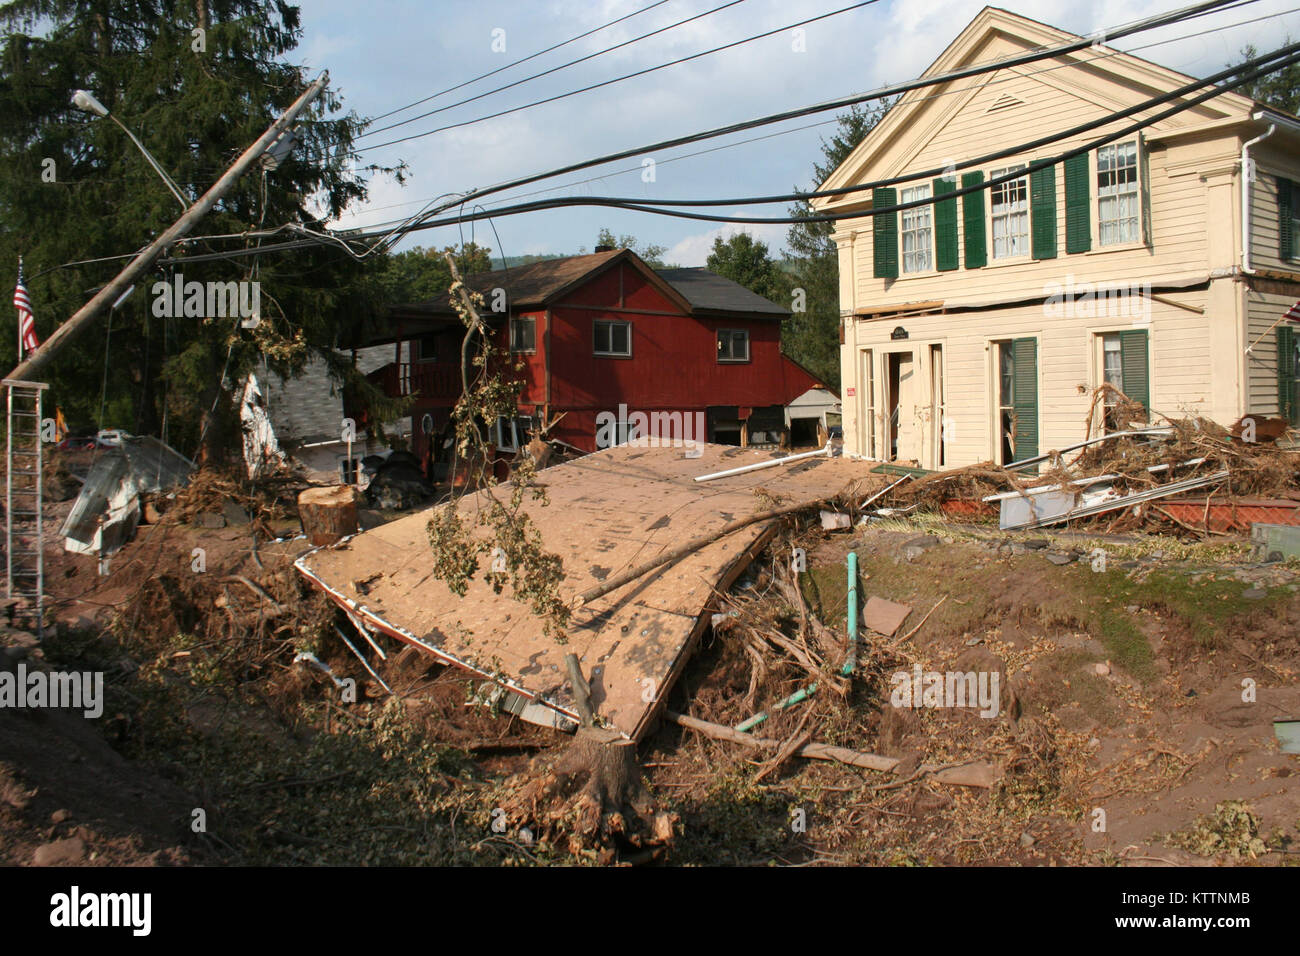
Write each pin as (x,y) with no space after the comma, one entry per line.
(694,250)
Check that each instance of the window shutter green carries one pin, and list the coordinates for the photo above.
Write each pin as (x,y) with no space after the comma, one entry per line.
(1042,211)
(1285,212)
(885,234)
(1078,203)
(945,226)
(1288,401)
(972,221)
(1024,354)
(1135,366)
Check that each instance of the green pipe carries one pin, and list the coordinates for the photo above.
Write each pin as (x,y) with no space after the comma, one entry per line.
(851,662)
(762,715)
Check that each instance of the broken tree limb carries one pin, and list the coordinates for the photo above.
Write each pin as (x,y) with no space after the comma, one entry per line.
(843,755)
(581,690)
(695,544)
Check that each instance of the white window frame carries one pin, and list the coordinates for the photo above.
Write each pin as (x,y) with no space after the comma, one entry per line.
(918,225)
(1015,211)
(732,359)
(1114,230)
(595,326)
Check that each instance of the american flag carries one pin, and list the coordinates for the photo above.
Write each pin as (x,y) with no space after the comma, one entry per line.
(1293,314)
(26,321)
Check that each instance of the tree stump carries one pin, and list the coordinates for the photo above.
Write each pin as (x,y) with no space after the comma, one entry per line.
(328,514)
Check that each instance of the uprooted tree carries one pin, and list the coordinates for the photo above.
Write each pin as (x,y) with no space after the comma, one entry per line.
(593,795)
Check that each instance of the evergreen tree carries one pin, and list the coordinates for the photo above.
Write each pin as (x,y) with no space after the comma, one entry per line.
(811,337)
(197,81)
(746,260)
(1280,89)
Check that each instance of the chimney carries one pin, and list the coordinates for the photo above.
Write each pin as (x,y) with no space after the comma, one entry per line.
(604,249)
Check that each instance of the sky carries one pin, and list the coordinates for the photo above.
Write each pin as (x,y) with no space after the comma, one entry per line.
(386,54)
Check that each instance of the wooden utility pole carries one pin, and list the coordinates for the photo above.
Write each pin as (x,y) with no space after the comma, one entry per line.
(36,362)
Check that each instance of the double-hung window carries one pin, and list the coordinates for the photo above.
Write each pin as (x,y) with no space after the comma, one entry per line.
(612,337)
(1119,201)
(1010,215)
(918,233)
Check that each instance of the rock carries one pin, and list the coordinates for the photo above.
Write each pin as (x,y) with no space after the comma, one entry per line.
(923,542)
(1018,549)
(67,852)
(1026,840)
(834,521)
(1101,670)
(911,554)
(974,641)
(209,520)
(59,816)
(1254,594)
(1036,544)
(1059,558)
(234,514)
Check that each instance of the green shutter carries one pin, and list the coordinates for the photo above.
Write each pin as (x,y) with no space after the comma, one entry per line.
(1042,212)
(1135,366)
(972,221)
(1078,203)
(885,234)
(1024,355)
(945,226)
(1285,212)
(1288,401)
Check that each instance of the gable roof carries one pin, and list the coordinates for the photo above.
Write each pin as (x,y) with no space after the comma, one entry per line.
(709,293)
(996,34)
(538,284)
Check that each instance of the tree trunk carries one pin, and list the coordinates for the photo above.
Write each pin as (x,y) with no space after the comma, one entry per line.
(328,514)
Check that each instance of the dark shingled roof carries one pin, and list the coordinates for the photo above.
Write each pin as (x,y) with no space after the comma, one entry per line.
(537,283)
(527,286)
(708,292)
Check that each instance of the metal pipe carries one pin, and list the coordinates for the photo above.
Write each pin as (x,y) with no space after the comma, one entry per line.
(772,463)
(1248,177)
(851,662)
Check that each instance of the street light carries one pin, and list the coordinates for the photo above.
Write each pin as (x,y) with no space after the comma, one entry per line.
(85,101)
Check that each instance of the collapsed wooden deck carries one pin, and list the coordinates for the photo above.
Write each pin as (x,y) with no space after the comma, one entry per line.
(608,512)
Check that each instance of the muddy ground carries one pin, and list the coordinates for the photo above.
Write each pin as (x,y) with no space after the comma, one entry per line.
(1139,681)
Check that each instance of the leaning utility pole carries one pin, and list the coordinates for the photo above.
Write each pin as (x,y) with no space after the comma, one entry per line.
(24,533)
(38,360)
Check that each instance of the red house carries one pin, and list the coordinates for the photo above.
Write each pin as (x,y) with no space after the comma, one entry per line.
(604,337)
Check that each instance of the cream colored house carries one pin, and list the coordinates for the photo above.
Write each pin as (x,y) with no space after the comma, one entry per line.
(977,327)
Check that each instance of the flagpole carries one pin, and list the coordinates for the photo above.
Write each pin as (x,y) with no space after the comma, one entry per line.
(19,320)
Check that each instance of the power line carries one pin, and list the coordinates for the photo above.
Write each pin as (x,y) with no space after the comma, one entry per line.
(1031,56)
(554,69)
(1260,66)
(796,129)
(629,76)
(531,56)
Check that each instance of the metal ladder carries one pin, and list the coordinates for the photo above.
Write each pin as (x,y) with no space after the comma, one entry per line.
(24,532)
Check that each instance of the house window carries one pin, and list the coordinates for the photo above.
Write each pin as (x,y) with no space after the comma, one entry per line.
(1124,367)
(1010,215)
(733,345)
(917,233)
(426,348)
(1006,403)
(513,432)
(1118,199)
(612,337)
(523,335)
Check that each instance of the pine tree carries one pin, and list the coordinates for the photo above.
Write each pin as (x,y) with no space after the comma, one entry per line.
(197,82)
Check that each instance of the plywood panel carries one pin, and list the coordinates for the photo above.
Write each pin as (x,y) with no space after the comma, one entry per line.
(608,512)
